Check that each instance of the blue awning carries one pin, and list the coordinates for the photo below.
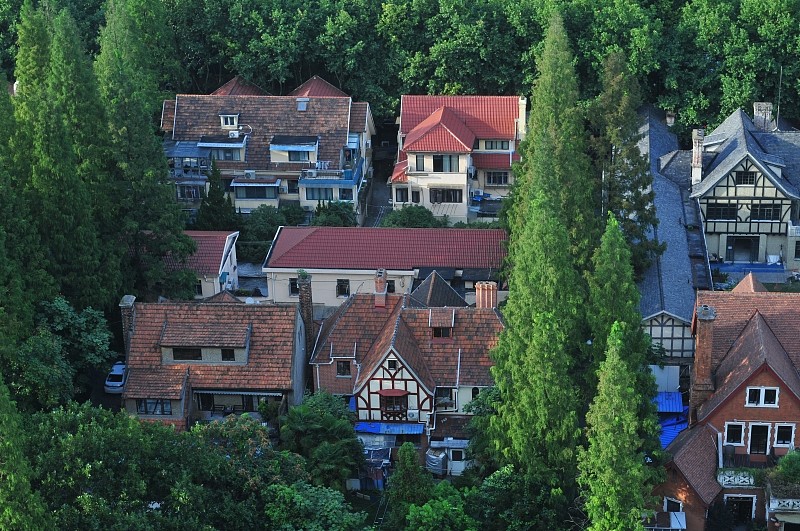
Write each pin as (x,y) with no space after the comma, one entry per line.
(390,428)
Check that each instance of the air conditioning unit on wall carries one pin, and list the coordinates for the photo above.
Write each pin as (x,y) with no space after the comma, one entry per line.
(233,134)
(249,174)
(412,414)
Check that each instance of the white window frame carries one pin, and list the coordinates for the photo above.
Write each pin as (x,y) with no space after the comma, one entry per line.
(669,498)
(761,403)
(750,437)
(229,121)
(740,443)
(775,442)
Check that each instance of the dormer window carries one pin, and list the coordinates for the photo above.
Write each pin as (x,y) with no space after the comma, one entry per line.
(229,121)
(302,104)
(442,332)
(187,354)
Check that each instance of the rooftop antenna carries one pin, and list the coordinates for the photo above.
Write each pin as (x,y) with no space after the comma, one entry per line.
(778,110)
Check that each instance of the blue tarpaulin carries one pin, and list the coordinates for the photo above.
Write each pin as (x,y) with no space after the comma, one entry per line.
(669,402)
(390,428)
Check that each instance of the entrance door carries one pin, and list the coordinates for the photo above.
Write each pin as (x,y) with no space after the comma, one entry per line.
(742,249)
(759,433)
(741,507)
(205,402)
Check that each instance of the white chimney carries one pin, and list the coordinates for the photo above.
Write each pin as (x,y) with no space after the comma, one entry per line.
(697,156)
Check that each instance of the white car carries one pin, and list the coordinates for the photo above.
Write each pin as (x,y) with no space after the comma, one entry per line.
(115,381)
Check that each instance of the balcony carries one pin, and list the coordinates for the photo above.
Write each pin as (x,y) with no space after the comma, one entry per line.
(736,477)
(793,228)
(351,175)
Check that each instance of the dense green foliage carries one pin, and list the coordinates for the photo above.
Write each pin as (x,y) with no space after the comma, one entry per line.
(216,210)
(334,214)
(412,216)
(409,485)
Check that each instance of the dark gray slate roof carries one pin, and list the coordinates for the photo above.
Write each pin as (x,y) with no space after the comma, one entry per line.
(669,284)
(435,292)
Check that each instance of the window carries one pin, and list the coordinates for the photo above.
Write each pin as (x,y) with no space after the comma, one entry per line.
(759,439)
(292,186)
(441,331)
(150,406)
(189,192)
(446,195)
(394,403)
(390,286)
(343,368)
(186,354)
(784,435)
(319,194)
(762,397)
(415,199)
(420,163)
(445,163)
(401,195)
(456,455)
(734,433)
(722,211)
(229,120)
(475,392)
(225,154)
(672,505)
(345,194)
(745,178)
(342,287)
(228,354)
(497,178)
(496,144)
(298,156)
(256,192)
(294,289)
(797,250)
(762,212)
(392,364)
(198,288)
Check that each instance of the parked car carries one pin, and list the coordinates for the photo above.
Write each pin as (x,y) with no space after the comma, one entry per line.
(115,381)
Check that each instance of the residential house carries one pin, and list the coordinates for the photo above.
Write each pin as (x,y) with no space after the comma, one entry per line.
(744,407)
(342,260)
(455,153)
(668,287)
(214,261)
(745,176)
(308,147)
(195,361)
(409,370)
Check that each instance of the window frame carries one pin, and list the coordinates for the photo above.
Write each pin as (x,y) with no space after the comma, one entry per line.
(762,391)
(391,286)
(492,178)
(419,163)
(328,195)
(187,354)
(718,211)
(294,287)
(750,437)
(449,166)
(292,186)
(392,365)
(442,332)
(394,404)
(343,369)
(773,210)
(496,145)
(741,433)
(228,354)
(299,156)
(668,500)
(740,175)
(345,191)
(342,287)
(252,192)
(401,194)
(446,195)
(416,197)
(229,121)
(160,406)
(789,444)
(797,250)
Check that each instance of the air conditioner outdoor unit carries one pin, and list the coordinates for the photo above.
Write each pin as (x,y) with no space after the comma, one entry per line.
(412,414)
(477,192)
(233,134)
(249,174)
(284,190)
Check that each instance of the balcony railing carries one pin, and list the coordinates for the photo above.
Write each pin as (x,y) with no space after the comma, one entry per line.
(736,477)
(793,228)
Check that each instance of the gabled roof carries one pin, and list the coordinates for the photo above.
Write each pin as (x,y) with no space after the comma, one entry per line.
(327,118)
(755,349)
(435,291)
(489,117)
(750,284)
(167,115)
(694,454)
(239,87)
(370,333)
(317,87)
(224,296)
(442,132)
(389,248)
(210,254)
(271,347)
(740,139)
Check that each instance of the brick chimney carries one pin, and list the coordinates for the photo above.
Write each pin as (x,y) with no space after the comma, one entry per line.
(702,386)
(486,294)
(306,309)
(126,308)
(697,155)
(380,288)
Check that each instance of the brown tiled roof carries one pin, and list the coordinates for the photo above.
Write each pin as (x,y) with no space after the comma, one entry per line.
(207,259)
(327,118)
(734,311)
(184,334)
(489,117)
(750,284)
(317,87)
(167,115)
(156,382)
(389,248)
(239,87)
(441,317)
(441,132)
(358,117)
(756,348)
(224,296)
(358,326)
(455,426)
(694,453)
(271,349)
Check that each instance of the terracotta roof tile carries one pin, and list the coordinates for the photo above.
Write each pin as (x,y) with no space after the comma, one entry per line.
(208,258)
(222,297)
(317,87)
(494,161)
(212,334)
(167,115)
(157,382)
(358,116)
(750,284)
(239,87)
(399,174)
(374,248)
(271,344)
(490,117)
(694,453)
(443,132)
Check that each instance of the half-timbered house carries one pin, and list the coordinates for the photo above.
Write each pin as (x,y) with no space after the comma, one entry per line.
(407,368)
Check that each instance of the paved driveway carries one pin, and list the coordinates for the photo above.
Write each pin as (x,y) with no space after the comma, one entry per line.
(378,204)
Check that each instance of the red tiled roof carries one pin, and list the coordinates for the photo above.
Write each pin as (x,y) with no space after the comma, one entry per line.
(224,296)
(390,248)
(271,346)
(694,453)
(442,132)
(749,284)
(317,87)
(399,174)
(268,116)
(207,260)
(358,117)
(167,115)
(239,87)
(494,161)
(489,117)
(156,382)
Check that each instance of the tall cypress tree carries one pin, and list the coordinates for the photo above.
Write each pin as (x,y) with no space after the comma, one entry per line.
(615,480)
(623,170)
(216,211)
